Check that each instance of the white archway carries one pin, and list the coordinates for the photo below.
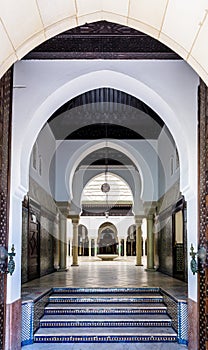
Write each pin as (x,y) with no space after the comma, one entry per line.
(41,20)
(141,165)
(104,78)
(92,81)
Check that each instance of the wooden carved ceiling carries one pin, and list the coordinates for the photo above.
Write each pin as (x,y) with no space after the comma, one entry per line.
(102,40)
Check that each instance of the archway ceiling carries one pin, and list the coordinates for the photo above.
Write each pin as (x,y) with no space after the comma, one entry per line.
(105,113)
(113,157)
(181,25)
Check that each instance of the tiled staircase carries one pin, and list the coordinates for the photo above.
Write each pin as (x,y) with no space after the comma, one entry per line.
(105,315)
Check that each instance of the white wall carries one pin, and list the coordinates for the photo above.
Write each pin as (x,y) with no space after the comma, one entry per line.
(168,174)
(46,148)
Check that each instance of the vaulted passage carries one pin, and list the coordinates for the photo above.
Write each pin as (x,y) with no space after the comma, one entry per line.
(104,197)
(104,192)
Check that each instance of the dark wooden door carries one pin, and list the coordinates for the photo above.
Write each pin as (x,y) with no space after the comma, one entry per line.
(179,241)
(33,244)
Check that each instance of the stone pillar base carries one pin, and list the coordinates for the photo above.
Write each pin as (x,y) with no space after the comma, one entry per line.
(150,270)
(74,264)
(139,265)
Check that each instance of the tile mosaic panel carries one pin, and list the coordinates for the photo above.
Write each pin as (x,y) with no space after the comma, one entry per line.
(178,311)
(27,322)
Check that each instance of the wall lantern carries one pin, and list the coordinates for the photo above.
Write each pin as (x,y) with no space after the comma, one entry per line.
(7,267)
(200,265)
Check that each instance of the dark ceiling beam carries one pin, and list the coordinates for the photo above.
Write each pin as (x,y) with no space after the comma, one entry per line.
(102,40)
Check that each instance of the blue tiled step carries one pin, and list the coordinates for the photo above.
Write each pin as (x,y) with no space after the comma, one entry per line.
(105,315)
(111,291)
(104,321)
(97,308)
(96,334)
(106,298)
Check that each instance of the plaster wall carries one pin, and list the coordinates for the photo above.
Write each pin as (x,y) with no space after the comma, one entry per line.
(168,166)
(46,147)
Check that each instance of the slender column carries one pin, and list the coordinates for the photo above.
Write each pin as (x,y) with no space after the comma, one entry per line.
(95,247)
(138,241)
(63,243)
(75,222)
(119,247)
(90,246)
(150,244)
(124,247)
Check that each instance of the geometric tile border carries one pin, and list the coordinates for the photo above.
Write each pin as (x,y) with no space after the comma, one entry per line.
(32,311)
(105,339)
(178,311)
(27,322)
(183,323)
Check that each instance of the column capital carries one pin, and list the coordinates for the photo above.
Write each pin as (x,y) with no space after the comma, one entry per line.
(74,219)
(63,207)
(150,208)
(138,219)
(150,217)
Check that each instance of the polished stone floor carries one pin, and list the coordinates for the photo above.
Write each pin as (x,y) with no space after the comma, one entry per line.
(92,272)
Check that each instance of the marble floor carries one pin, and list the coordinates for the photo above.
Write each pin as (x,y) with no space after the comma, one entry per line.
(92,272)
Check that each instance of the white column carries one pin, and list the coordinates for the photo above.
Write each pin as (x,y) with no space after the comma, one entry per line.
(124,247)
(119,247)
(95,247)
